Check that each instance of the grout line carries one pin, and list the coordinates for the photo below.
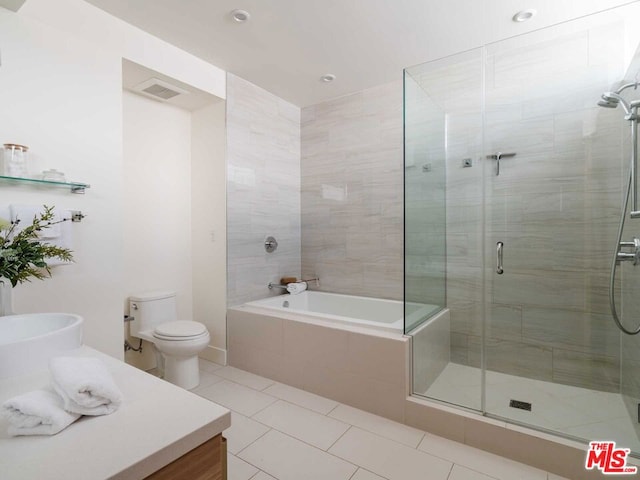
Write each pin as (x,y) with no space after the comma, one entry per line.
(254,441)
(331,411)
(244,384)
(315,448)
(337,439)
(450,471)
(264,408)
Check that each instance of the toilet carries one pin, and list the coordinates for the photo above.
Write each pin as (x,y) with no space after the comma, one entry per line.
(176,342)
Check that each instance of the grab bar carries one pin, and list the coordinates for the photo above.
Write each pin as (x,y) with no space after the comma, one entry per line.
(499,247)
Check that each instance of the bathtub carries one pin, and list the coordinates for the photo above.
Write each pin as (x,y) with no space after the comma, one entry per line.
(375,313)
(347,348)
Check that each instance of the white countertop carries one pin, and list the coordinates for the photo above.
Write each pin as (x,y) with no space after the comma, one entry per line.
(156,424)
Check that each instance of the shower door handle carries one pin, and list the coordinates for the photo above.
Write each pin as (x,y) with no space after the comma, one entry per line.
(499,247)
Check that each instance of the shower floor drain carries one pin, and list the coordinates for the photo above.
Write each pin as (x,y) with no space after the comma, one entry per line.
(520,405)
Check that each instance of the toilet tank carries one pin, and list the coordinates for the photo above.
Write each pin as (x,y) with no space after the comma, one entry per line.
(150,310)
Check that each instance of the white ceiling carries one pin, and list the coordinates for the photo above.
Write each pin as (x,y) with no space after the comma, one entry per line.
(288,44)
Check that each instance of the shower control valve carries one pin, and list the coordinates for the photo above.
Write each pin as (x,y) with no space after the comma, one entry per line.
(630,257)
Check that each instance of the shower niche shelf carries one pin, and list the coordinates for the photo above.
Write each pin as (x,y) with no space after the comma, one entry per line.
(74,187)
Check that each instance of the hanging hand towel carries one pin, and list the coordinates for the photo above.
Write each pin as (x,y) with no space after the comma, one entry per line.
(39,412)
(25,215)
(296,288)
(58,235)
(85,385)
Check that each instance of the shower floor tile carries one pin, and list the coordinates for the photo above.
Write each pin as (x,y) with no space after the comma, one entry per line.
(575,411)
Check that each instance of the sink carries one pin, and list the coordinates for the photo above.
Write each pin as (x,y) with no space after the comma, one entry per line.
(28,341)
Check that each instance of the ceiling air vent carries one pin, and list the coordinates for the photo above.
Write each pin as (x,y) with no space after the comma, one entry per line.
(159,89)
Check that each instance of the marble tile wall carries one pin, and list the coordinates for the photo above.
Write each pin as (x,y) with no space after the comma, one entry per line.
(352,209)
(263,190)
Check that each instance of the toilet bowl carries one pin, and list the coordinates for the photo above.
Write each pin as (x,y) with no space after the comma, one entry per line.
(177,342)
(179,345)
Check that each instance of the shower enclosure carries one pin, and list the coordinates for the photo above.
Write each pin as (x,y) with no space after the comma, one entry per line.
(515,183)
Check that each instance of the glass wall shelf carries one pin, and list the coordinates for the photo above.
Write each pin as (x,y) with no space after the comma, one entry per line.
(74,187)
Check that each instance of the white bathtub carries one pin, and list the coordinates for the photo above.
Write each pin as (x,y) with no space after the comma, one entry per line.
(374,313)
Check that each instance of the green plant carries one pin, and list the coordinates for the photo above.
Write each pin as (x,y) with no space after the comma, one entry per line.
(23,255)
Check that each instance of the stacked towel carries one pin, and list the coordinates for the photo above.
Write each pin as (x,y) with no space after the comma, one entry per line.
(296,288)
(39,412)
(85,385)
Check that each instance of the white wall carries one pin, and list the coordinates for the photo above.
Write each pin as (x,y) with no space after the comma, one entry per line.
(209,225)
(157,203)
(61,94)
(62,99)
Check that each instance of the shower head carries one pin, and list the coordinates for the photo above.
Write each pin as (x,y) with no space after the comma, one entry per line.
(607,104)
(613,99)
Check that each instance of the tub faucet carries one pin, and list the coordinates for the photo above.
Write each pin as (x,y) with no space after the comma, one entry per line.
(276,285)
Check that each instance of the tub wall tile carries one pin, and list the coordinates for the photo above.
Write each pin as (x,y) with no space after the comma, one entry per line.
(263,189)
(351,170)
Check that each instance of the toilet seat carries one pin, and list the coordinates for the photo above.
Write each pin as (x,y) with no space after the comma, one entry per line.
(180,330)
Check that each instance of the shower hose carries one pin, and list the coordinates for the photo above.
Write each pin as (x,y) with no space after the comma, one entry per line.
(614,263)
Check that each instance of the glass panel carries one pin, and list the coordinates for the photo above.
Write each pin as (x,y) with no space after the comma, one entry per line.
(424,175)
(443,141)
(550,342)
(71,185)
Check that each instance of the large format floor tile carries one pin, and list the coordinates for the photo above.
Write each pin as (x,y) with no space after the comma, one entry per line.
(389,459)
(302,398)
(378,425)
(206,379)
(286,458)
(310,427)
(365,475)
(479,460)
(462,473)
(237,397)
(207,366)
(243,432)
(280,432)
(244,378)
(263,476)
(238,469)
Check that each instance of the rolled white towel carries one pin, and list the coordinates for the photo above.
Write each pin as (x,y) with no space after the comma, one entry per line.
(39,412)
(296,288)
(85,385)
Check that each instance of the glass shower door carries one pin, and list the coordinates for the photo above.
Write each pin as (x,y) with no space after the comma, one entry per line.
(553,173)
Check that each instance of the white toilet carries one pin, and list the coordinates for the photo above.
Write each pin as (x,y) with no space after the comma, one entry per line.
(177,342)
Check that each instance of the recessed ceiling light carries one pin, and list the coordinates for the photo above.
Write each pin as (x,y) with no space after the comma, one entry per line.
(524,15)
(240,16)
(328,78)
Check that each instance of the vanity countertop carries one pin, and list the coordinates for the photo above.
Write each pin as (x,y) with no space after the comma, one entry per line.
(156,424)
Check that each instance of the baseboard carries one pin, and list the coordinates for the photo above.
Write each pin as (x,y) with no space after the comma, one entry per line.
(214,354)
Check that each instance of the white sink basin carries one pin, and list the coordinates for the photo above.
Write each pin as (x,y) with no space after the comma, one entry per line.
(27,342)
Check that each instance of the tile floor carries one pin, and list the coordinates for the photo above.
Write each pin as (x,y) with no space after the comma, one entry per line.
(283,433)
(580,412)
